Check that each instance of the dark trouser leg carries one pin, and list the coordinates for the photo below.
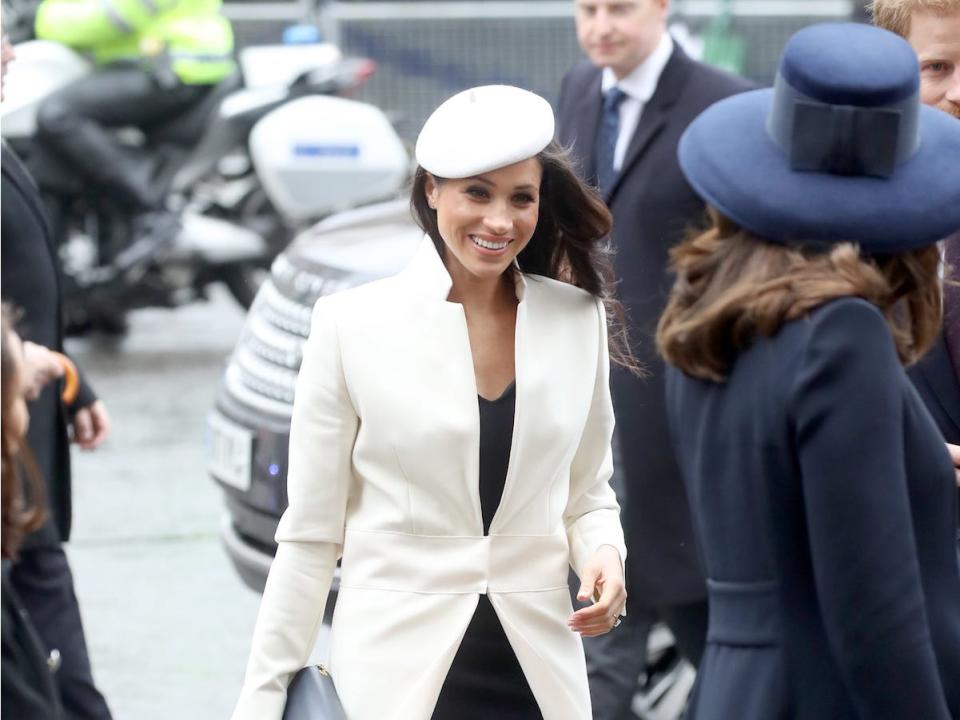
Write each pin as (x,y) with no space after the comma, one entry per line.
(43,580)
(688,623)
(615,660)
(614,663)
(74,122)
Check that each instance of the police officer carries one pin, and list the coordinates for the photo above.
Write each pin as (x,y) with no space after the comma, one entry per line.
(155,59)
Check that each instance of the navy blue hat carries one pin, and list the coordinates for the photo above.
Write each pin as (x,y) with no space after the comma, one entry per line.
(839,149)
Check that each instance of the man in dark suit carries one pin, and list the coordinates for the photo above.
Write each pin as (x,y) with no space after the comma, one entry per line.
(622,111)
(935,36)
(41,577)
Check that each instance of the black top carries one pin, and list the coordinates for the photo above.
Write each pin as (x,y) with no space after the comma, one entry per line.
(825,508)
(496,436)
(485,679)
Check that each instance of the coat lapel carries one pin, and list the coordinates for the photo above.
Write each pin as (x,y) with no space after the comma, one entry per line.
(587,123)
(522,402)
(428,278)
(655,114)
(18,174)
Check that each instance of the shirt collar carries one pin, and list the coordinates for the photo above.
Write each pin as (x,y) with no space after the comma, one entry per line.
(642,80)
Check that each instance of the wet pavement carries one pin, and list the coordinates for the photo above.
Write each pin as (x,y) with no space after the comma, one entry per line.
(167,619)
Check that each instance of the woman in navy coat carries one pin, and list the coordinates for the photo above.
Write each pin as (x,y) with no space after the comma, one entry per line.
(822,494)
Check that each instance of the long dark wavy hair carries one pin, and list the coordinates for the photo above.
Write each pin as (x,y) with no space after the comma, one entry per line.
(733,287)
(570,243)
(22,486)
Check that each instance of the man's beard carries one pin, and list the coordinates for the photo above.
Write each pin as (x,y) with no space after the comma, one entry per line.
(950,108)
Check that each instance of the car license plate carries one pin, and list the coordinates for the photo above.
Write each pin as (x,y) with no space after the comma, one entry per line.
(230,452)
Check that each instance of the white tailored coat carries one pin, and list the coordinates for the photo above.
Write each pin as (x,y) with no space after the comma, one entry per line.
(384,470)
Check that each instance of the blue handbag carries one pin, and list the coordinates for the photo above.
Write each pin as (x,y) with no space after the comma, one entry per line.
(312,696)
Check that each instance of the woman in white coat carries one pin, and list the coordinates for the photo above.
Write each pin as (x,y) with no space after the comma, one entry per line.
(451,442)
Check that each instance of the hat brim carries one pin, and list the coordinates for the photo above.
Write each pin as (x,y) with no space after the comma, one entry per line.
(734,165)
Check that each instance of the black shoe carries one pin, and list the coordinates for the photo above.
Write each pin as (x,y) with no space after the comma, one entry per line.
(152,233)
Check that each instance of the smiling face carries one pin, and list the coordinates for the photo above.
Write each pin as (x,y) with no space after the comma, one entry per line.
(486,220)
(620,34)
(935,37)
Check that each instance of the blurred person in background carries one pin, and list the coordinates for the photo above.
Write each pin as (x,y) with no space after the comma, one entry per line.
(932,27)
(622,110)
(28,690)
(823,496)
(155,59)
(29,279)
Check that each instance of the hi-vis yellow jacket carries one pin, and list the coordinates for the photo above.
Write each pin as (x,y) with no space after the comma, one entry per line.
(191,35)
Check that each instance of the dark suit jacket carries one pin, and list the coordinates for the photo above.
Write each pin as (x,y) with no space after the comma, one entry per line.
(30,281)
(939,387)
(825,509)
(652,207)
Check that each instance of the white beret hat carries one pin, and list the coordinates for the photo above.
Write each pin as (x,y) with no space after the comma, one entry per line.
(482,129)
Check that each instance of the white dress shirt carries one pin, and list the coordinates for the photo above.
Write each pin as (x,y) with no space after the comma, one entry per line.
(639,86)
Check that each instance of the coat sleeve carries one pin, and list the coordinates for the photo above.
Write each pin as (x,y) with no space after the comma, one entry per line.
(310,535)
(85,24)
(592,515)
(847,407)
(86,396)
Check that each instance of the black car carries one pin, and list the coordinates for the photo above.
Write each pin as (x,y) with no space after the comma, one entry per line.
(249,428)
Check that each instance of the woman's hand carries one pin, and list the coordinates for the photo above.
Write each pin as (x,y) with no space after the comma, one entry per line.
(603,580)
(955,456)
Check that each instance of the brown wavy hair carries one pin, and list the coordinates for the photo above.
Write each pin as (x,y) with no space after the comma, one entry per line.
(21,486)
(571,241)
(732,286)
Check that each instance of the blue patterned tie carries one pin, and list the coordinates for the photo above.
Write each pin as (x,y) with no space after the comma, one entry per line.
(607,137)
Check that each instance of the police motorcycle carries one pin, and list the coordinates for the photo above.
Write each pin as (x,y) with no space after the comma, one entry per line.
(265,153)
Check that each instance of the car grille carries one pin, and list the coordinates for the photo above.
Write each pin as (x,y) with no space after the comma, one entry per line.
(262,372)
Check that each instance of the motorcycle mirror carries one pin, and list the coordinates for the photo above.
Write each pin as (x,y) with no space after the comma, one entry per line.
(343,80)
(357,72)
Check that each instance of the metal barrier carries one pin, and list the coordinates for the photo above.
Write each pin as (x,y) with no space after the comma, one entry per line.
(426,51)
